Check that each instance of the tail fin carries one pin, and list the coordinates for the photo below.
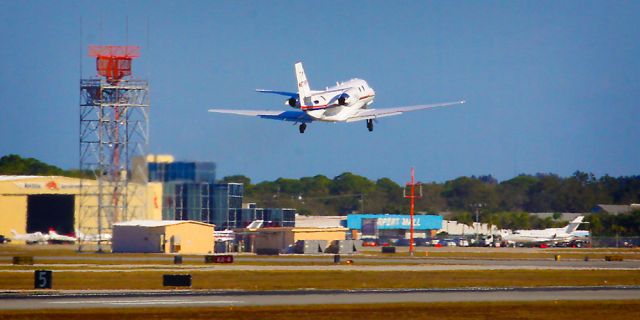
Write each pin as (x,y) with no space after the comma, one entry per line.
(573,225)
(303,85)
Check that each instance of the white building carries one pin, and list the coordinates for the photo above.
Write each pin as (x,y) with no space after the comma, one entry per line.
(455,228)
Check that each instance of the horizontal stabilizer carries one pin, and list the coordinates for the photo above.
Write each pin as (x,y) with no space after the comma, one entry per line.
(282,93)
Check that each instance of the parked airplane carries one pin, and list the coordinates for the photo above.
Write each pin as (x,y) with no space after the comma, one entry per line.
(549,235)
(92,237)
(54,237)
(30,238)
(345,102)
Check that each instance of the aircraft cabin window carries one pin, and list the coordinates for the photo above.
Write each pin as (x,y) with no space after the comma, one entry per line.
(316,102)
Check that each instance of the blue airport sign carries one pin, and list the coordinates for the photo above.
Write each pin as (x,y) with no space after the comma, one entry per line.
(396,221)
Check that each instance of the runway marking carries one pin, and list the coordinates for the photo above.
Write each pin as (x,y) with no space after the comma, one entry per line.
(147,302)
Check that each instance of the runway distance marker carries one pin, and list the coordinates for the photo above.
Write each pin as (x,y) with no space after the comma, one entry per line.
(43,279)
(176,280)
(218,259)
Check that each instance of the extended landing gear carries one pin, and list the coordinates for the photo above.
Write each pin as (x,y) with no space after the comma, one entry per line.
(303,127)
(370,124)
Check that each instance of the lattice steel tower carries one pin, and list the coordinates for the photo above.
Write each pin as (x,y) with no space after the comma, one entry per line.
(114,128)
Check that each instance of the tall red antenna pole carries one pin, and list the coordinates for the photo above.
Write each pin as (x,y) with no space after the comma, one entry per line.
(412,196)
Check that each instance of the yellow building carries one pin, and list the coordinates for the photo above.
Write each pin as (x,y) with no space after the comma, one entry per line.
(38,203)
(328,234)
(282,238)
(168,236)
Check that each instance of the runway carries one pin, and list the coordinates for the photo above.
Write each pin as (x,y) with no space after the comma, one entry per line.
(155,299)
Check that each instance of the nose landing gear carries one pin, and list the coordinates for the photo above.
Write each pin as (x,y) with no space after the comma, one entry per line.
(303,127)
(370,124)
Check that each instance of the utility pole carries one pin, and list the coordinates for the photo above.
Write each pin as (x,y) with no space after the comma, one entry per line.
(412,196)
(477,206)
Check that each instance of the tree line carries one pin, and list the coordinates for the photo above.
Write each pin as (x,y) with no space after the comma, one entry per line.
(505,204)
(543,192)
(14,164)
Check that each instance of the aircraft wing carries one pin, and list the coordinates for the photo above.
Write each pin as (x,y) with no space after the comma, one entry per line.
(387,112)
(293,116)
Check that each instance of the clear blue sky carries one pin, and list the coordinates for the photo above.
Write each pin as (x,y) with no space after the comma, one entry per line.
(552,86)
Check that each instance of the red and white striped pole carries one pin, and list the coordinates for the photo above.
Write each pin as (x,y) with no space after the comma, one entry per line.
(412,196)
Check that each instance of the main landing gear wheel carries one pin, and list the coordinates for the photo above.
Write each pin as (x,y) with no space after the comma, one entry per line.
(370,124)
(303,127)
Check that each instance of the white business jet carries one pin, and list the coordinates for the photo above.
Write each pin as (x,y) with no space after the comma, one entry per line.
(30,238)
(345,102)
(549,235)
(98,237)
(55,237)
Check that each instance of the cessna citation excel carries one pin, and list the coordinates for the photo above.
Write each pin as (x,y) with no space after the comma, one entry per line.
(345,102)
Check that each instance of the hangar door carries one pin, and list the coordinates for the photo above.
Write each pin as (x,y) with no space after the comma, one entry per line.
(45,211)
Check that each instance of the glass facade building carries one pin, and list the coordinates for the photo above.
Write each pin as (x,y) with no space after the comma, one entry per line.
(272,217)
(187,201)
(190,193)
(227,198)
(182,172)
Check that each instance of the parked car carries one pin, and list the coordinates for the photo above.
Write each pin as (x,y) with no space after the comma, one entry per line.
(448,243)
(421,242)
(405,242)
(369,243)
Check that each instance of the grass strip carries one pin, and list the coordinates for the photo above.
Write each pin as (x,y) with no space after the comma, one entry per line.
(291,280)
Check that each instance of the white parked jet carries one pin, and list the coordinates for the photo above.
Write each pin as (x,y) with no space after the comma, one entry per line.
(92,237)
(30,238)
(345,102)
(549,235)
(54,237)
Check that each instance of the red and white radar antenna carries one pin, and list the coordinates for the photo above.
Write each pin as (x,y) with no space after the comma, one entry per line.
(114,62)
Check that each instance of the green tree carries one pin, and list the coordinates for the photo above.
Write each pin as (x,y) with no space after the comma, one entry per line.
(464,192)
(348,183)
(514,193)
(13,164)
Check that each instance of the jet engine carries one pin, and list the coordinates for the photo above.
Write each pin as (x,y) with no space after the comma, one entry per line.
(343,99)
(292,102)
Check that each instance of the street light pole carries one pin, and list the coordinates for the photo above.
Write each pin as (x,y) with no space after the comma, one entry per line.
(477,206)
(477,224)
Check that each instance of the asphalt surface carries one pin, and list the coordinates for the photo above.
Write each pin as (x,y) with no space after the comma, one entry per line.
(212,299)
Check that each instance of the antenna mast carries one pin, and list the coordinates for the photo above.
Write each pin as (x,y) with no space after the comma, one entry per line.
(114,122)
(412,196)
